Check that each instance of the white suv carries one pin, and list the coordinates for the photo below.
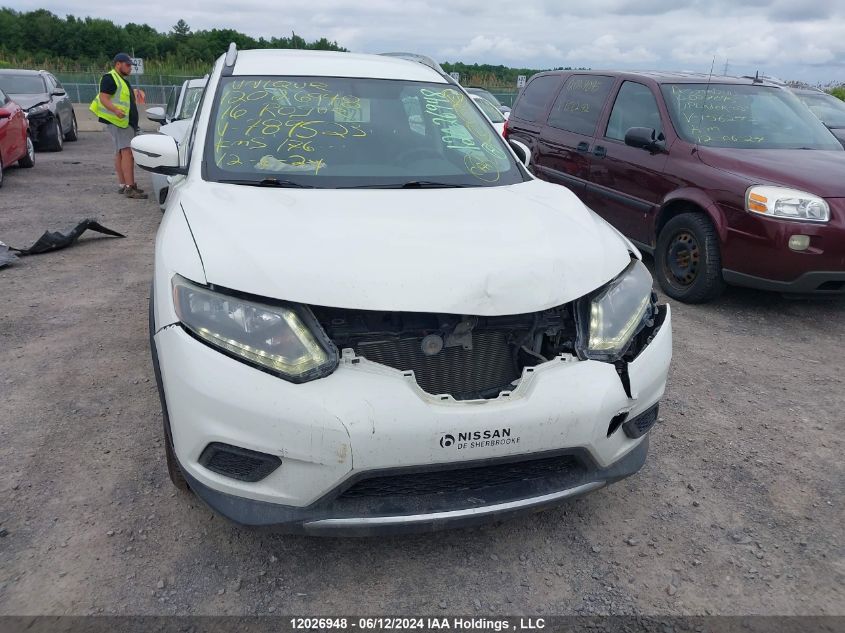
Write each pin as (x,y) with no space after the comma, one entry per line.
(367,315)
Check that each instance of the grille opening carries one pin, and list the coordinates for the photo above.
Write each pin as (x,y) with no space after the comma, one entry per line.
(465,357)
(238,463)
(474,478)
(480,372)
(615,423)
(641,424)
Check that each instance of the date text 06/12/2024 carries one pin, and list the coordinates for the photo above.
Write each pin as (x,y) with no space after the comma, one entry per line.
(411,623)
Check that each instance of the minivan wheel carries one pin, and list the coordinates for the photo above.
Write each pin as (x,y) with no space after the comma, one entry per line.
(687,260)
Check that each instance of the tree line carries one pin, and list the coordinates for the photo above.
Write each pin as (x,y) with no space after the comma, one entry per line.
(491,76)
(73,43)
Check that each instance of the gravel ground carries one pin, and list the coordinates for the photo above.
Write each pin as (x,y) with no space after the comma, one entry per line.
(737,511)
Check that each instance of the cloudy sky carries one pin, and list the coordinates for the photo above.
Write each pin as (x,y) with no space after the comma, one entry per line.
(792,39)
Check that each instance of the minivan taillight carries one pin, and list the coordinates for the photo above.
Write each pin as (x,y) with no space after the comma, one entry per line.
(505,129)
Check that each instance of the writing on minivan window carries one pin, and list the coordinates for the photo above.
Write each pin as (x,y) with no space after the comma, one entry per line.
(276,125)
(715,114)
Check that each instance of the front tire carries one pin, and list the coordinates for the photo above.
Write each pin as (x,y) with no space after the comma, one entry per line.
(29,159)
(53,138)
(73,135)
(688,259)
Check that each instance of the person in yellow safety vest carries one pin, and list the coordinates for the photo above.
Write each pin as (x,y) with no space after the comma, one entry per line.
(115,107)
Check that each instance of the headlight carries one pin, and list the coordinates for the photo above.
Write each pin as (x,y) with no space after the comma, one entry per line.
(44,107)
(609,319)
(283,339)
(789,204)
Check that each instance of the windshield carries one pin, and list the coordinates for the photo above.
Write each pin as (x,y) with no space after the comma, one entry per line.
(190,101)
(22,84)
(490,110)
(828,108)
(481,92)
(333,132)
(744,116)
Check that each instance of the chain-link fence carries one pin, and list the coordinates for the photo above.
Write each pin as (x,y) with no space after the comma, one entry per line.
(505,98)
(82,87)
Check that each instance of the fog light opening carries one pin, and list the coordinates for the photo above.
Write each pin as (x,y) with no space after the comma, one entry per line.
(616,422)
(799,242)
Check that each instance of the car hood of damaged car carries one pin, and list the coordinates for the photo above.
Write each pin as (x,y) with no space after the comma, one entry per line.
(476,251)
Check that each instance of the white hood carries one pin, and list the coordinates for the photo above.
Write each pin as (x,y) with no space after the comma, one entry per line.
(482,251)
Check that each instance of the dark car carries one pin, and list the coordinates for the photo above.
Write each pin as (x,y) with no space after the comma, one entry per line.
(723,180)
(49,109)
(15,143)
(829,109)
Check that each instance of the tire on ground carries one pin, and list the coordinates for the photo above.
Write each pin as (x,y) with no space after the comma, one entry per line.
(52,138)
(28,159)
(689,238)
(73,134)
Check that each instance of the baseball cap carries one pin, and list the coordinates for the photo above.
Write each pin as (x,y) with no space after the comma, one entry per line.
(122,57)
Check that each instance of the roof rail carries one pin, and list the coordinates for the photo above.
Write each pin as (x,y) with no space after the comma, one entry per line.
(425,61)
(229,61)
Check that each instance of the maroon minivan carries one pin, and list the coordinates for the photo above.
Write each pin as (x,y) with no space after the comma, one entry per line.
(722,179)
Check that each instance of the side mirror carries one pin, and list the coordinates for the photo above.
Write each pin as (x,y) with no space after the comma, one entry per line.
(5,114)
(645,138)
(521,150)
(156,115)
(58,92)
(157,153)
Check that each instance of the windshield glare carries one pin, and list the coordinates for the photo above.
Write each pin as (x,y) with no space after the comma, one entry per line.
(349,132)
(744,116)
(22,84)
(828,108)
(490,110)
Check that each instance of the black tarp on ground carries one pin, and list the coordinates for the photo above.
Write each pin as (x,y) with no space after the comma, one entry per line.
(6,256)
(54,240)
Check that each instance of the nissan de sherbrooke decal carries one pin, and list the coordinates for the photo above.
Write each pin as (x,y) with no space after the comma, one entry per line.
(486,438)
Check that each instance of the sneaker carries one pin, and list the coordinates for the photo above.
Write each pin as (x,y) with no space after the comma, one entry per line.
(135,187)
(121,189)
(134,193)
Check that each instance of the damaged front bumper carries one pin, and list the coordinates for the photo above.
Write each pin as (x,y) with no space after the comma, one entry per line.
(366,450)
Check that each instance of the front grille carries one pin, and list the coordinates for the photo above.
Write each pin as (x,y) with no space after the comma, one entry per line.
(471,479)
(482,371)
(238,463)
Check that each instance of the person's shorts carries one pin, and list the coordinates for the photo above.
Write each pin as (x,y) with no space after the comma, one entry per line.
(121,136)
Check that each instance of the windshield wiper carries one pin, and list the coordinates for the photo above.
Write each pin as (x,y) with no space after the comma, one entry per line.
(411,184)
(267,182)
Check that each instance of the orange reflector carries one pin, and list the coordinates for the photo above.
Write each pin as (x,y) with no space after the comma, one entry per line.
(758,198)
(756,206)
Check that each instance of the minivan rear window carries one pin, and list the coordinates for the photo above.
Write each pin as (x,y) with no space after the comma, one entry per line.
(580,103)
(535,97)
(745,117)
